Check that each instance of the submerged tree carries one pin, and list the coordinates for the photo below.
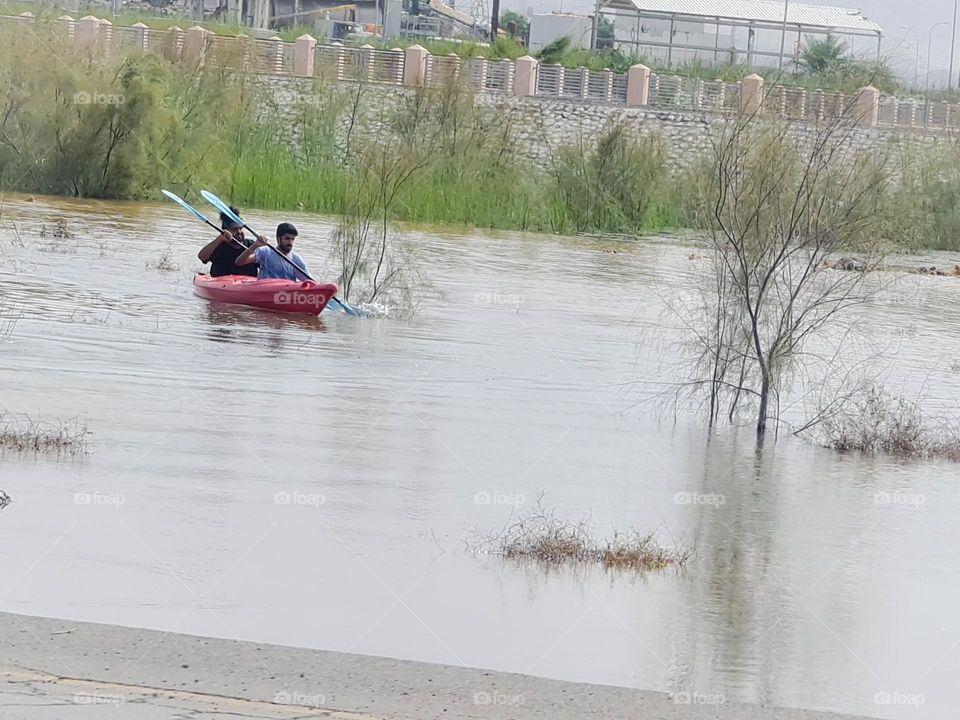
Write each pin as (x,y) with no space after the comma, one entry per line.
(779,204)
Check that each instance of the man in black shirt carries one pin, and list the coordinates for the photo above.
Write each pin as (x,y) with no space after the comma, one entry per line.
(223,252)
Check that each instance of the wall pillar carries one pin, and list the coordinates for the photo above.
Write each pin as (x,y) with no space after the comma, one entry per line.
(868,106)
(304,52)
(173,44)
(87,32)
(638,86)
(414,66)
(751,94)
(525,77)
(69,24)
(105,37)
(142,35)
(194,47)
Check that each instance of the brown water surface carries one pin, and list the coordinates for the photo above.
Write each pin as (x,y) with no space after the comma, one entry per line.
(311,482)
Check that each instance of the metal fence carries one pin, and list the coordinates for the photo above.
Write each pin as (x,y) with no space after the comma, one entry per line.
(442,70)
(918,113)
(581,84)
(499,77)
(130,38)
(669,91)
(271,57)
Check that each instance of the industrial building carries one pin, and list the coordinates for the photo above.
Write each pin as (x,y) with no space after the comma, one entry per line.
(547,27)
(714,32)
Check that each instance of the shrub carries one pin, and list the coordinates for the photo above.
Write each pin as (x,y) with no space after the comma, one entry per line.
(117,127)
(28,435)
(541,536)
(875,421)
(609,185)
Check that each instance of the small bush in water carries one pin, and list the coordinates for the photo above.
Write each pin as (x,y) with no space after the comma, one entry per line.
(876,421)
(539,535)
(28,435)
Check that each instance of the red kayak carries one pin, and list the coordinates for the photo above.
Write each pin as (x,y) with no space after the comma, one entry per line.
(289,296)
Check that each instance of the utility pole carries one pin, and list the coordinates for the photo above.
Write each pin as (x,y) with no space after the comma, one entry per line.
(783,37)
(929,49)
(953,45)
(495,21)
(916,62)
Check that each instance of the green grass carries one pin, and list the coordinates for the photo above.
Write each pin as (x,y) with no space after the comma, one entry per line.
(489,203)
(273,180)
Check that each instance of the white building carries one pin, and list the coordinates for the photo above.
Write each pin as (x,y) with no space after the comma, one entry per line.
(547,27)
(752,32)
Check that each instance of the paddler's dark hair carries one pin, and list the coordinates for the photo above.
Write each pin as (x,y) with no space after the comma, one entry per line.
(286,229)
(226,223)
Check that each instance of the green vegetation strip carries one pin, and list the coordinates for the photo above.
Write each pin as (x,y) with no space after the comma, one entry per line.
(126,125)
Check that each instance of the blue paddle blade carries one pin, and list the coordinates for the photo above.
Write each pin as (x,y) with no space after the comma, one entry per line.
(221,206)
(183,203)
(348,309)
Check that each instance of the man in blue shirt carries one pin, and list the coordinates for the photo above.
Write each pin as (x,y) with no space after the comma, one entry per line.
(272,266)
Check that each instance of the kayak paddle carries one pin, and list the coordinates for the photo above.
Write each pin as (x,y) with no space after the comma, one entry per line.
(225,209)
(189,208)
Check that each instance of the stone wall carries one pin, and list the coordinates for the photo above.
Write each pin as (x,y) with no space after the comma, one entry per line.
(544,125)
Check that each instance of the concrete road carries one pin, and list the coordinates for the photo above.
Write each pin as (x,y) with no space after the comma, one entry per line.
(64,670)
(35,696)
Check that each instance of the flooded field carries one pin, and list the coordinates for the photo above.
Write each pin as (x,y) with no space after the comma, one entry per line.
(314,482)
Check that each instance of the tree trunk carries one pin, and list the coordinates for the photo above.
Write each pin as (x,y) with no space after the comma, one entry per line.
(764,406)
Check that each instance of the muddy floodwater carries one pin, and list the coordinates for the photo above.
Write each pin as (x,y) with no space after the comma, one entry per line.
(312,483)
